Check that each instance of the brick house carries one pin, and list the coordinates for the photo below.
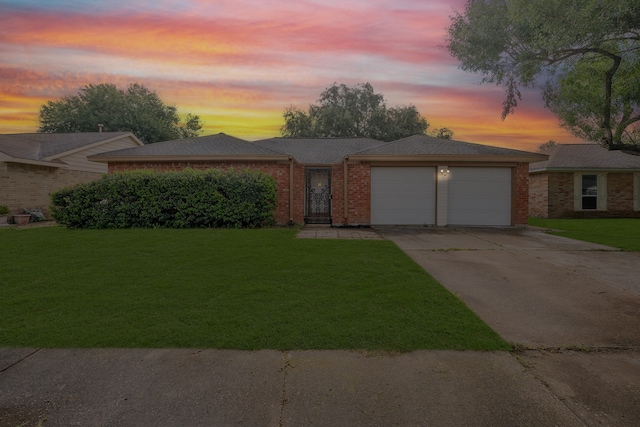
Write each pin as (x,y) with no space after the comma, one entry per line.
(360,181)
(34,165)
(585,181)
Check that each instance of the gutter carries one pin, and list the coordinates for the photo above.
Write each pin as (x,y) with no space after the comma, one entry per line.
(585,169)
(439,158)
(183,158)
(34,162)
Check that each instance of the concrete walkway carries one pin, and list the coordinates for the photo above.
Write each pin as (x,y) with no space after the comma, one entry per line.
(573,373)
(327,232)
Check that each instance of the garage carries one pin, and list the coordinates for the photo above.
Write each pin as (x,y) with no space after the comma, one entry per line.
(403,195)
(479,196)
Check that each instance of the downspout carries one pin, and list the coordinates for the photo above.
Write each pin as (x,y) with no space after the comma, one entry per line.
(345,189)
(291,189)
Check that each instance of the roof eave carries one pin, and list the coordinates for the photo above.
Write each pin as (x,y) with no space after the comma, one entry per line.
(584,169)
(445,158)
(9,159)
(183,158)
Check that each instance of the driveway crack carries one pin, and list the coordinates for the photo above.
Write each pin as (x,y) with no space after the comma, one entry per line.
(20,360)
(530,368)
(283,397)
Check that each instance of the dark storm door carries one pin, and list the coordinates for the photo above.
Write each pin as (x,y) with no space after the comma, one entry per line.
(318,196)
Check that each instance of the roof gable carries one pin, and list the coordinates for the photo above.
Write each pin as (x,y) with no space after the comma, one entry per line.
(585,156)
(50,146)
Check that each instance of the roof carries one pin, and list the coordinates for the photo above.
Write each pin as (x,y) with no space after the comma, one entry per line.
(585,156)
(439,148)
(45,148)
(315,151)
(218,146)
(318,151)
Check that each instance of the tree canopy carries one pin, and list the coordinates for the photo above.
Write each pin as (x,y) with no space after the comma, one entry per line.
(136,109)
(358,111)
(584,54)
(547,146)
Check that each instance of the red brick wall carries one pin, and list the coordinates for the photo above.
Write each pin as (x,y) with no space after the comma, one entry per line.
(521,214)
(359,194)
(539,195)
(280,172)
(620,192)
(337,195)
(560,195)
(299,183)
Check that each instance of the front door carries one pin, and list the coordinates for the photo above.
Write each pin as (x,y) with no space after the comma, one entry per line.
(318,196)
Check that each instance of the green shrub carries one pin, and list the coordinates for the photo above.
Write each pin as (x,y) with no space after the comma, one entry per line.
(186,199)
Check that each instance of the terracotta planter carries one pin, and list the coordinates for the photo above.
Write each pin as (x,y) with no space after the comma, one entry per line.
(21,219)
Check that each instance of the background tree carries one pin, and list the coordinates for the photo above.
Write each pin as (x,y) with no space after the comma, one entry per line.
(547,146)
(136,109)
(343,111)
(586,54)
(443,133)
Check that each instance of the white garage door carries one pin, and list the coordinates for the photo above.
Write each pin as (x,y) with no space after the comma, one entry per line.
(479,196)
(403,195)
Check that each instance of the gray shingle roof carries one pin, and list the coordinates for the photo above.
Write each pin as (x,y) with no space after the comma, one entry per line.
(585,156)
(426,145)
(211,145)
(38,146)
(310,151)
(318,151)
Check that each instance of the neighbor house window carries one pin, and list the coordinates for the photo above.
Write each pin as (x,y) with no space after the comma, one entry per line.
(590,191)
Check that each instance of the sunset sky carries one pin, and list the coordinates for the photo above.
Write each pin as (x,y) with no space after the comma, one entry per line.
(239,63)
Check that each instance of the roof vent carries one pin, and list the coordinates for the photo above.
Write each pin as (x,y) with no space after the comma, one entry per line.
(100,128)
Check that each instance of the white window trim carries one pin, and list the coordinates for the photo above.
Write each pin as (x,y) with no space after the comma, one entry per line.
(602,191)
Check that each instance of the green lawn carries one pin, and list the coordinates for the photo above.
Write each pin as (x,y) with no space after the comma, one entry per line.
(236,289)
(623,233)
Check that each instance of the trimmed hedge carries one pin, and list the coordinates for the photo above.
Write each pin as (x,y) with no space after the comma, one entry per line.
(185,199)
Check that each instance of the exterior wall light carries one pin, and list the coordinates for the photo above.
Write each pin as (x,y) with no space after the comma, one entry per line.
(444,172)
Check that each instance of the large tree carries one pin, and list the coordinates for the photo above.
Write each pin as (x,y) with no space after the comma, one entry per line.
(358,111)
(135,109)
(585,54)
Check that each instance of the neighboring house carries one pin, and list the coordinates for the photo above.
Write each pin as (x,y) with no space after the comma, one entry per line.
(418,180)
(34,165)
(585,181)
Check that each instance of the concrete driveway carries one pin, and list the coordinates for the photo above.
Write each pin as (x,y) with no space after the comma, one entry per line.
(534,289)
(574,307)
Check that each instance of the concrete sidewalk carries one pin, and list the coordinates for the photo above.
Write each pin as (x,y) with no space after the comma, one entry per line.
(112,387)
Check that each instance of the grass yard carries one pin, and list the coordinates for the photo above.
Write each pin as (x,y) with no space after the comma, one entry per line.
(232,289)
(623,233)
